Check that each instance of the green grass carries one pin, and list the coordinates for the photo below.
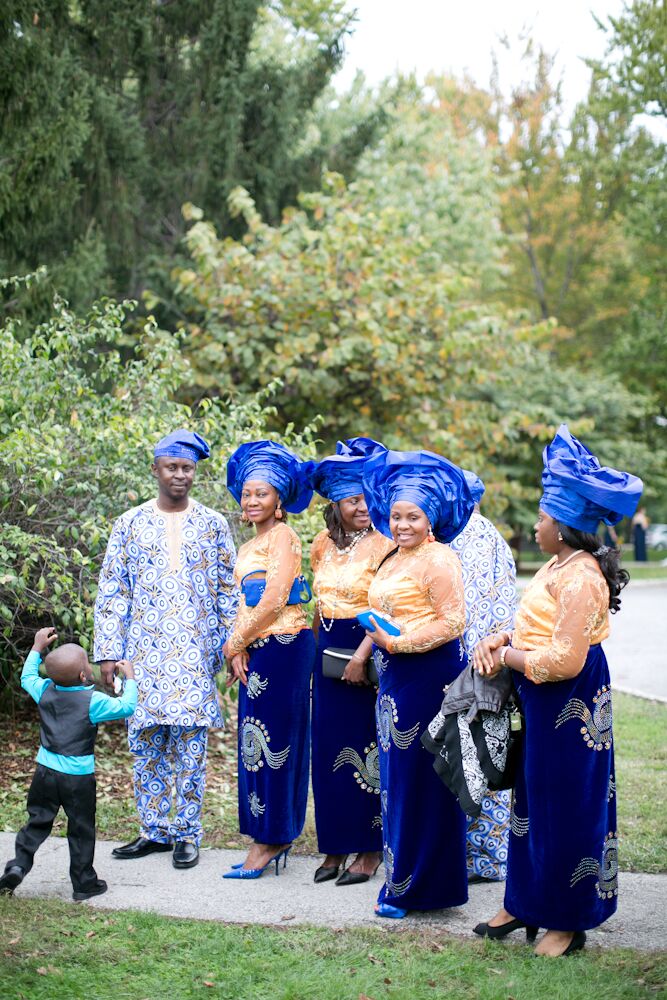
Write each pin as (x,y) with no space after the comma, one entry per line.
(641,777)
(647,572)
(54,950)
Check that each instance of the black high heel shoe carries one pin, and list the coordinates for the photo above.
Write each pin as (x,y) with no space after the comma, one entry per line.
(494,933)
(327,872)
(355,878)
(576,944)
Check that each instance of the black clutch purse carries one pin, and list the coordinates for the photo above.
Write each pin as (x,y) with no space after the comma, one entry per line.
(334,662)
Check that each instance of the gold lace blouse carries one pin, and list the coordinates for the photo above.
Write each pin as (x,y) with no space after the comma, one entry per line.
(278,553)
(422,590)
(562,613)
(342,578)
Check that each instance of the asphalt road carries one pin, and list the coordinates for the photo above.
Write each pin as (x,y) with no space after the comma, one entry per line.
(151,884)
(637,647)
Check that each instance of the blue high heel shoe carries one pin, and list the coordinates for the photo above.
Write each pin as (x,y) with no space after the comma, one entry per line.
(238,871)
(387,910)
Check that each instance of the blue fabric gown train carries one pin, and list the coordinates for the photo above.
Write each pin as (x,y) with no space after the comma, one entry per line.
(563,850)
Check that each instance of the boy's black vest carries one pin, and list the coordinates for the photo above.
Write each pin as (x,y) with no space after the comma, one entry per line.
(65,722)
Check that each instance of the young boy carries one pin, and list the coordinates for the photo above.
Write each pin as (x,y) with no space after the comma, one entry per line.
(69,710)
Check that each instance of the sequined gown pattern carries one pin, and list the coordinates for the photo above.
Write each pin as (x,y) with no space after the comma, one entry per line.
(423,825)
(274,707)
(489,581)
(345,766)
(563,855)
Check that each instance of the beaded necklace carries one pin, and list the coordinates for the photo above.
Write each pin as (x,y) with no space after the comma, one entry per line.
(349,552)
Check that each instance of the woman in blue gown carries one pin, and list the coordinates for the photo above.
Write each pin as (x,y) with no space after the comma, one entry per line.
(270,651)
(346,784)
(422,501)
(563,851)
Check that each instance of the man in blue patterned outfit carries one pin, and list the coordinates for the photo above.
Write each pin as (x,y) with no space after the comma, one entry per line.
(167,600)
(489,580)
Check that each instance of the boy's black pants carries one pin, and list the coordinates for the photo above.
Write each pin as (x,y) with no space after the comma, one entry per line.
(76,793)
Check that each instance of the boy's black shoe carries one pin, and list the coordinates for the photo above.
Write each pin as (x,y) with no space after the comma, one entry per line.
(95,889)
(12,877)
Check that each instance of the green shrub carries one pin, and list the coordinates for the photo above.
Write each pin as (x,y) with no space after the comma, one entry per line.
(78,421)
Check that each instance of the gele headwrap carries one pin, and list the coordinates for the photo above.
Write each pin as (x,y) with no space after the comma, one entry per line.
(579,492)
(434,484)
(475,485)
(339,476)
(182,444)
(274,464)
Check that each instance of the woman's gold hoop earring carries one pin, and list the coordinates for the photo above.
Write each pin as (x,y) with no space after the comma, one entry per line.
(278,513)
(244,517)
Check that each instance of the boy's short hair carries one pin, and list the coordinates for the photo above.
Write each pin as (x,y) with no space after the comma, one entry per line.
(64,664)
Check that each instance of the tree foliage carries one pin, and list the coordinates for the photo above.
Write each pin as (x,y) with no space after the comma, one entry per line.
(584,215)
(371,303)
(77,425)
(114,114)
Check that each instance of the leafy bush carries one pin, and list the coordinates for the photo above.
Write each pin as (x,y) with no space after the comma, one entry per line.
(78,422)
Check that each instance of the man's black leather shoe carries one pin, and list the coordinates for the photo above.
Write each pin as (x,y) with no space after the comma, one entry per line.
(12,877)
(139,848)
(185,855)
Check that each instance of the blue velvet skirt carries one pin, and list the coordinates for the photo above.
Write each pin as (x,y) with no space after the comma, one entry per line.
(274,738)
(424,827)
(346,782)
(562,870)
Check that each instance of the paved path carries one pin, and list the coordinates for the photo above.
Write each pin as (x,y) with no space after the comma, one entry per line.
(152,884)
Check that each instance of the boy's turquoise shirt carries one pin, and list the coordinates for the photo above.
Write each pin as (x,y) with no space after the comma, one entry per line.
(102,709)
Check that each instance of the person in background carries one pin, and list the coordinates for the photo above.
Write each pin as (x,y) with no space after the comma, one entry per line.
(563,851)
(422,501)
(270,651)
(346,781)
(166,600)
(69,712)
(640,525)
(489,583)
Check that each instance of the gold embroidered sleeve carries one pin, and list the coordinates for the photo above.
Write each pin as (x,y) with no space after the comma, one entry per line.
(317,549)
(284,563)
(582,605)
(444,587)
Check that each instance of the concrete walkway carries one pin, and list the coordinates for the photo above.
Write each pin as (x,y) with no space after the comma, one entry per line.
(151,884)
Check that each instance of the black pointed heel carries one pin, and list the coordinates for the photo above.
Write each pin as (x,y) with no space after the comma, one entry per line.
(577,943)
(495,933)
(326,873)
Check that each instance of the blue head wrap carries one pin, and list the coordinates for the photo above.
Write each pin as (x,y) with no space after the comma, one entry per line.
(359,447)
(182,444)
(435,485)
(340,475)
(274,464)
(475,485)
(580,492)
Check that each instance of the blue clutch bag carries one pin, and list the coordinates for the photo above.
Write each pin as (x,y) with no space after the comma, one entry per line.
(364,618)
(300,592)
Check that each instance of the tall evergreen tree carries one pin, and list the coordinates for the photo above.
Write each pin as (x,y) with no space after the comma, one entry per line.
(115,114)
